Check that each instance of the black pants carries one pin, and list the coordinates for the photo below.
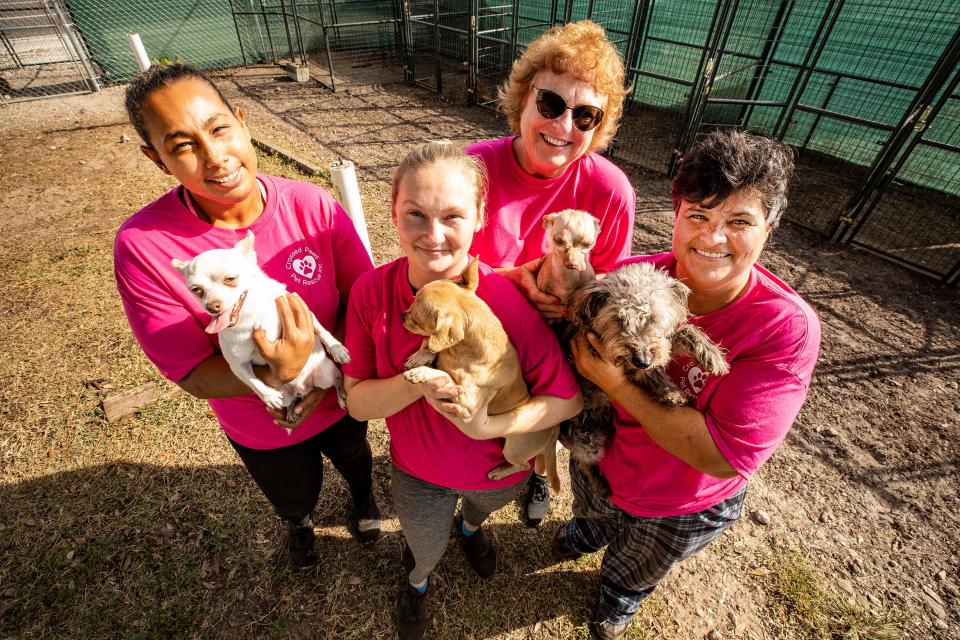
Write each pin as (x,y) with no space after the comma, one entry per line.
(291,477)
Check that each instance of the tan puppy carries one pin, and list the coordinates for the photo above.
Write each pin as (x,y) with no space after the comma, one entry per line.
(469,344)
(571,234)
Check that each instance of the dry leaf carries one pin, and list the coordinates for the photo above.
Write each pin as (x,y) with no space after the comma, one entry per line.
(760,572)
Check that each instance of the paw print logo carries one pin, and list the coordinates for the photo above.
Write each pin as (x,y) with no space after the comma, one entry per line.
(697,377)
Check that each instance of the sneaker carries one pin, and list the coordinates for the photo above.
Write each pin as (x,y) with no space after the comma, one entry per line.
(480,552)
(300,545)
(365,522)
(536,502)
(411,612)
(561,549)
(607,630)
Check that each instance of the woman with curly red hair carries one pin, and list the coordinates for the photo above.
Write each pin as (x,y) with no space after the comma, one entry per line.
(563,101)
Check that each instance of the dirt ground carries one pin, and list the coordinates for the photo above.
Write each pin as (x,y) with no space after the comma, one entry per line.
(94,515)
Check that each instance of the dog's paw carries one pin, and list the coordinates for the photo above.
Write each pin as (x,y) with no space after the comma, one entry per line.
(675,398)
(420,358)
(506,470)
(291,414)
(341,394)
(339,353)
(420,374)
(273,399)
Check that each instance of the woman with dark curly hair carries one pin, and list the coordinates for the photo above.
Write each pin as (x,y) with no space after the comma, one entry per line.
(563,101)
(678,475)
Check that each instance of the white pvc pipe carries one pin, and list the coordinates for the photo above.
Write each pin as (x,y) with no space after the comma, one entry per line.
(344,178)
(139,52)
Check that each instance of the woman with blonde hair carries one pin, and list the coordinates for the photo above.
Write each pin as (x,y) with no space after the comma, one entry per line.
(563,101)
(438,196)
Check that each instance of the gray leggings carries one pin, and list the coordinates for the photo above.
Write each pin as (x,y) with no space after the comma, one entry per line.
(426,510)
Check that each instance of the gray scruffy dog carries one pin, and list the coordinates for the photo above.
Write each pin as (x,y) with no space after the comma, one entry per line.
(640,314)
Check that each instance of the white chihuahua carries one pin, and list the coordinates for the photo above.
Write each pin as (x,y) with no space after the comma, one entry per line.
(571,235)
(241,298)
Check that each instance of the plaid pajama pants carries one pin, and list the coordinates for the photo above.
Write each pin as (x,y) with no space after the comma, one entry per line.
(640,551)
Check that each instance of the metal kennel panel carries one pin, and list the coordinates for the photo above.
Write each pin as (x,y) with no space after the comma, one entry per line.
(502,32)
(41,53)
(910,212)
(347,42)
(438,45)
(665,61)
(353,42)
(847,105)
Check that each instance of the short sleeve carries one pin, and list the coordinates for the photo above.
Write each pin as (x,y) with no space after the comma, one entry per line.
(358,338)
(616,224)
(169,334)
(751,411)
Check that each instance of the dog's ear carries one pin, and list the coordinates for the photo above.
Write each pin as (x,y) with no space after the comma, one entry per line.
(587,304)
(681,293)
(448,332)
(470,278)
(596,226)
(549,219)
(180,265)
(246,246)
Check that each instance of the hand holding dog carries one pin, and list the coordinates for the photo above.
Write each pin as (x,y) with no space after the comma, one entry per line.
(524,277)
(287,355)
(438,391)
(301,410)
(586,351)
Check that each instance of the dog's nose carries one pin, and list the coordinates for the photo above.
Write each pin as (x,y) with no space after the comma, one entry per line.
(214,307)
(640,362)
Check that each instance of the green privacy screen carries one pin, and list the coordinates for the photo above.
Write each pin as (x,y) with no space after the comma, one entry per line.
(200,32)
(873,58)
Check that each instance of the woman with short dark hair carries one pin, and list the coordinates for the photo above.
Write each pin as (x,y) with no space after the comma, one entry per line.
(678,475)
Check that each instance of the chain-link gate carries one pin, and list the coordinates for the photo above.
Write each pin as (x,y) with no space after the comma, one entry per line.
(41,54)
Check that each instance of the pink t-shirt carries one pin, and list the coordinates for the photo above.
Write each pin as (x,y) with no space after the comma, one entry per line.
(423,443)
(517,202)
(303,239)
(772,338)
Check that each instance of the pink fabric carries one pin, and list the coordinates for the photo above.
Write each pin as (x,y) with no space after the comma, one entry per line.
(423,443)
(304,239)
(772,338)
(517,202)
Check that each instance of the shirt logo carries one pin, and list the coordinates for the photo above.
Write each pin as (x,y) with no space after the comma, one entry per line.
(697,378)
(305,264)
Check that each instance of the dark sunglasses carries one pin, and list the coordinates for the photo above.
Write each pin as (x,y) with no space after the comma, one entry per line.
(550,106)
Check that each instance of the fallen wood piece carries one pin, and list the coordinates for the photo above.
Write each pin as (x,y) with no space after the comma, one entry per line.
(305,166)
(119,405)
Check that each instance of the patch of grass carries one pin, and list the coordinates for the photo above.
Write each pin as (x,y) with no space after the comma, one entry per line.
(809,608)
(280,166)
